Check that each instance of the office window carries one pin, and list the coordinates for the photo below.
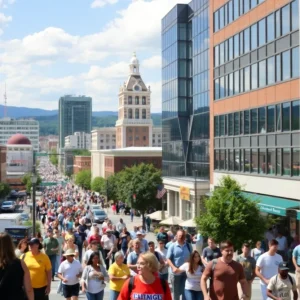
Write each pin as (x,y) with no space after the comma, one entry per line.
(286,65)
(270,28)
(296,161)
(137,113)
(278,23)
(230,49)
(279,162)
(226,14)
(222,87)
(217,160)
(236,82)
(254,161)
(236,123)
(230,160)
(144,114)
(278,117)
(295,62)
(217,89)
(286,161)
(237,160)
(137,100)
(221,17)
(222,161)
(216,126)
(247,160)
(278,68)
(225,50)
(271,162)
(230,84)
(242,86)
(271,70)
(262,73)
(246,122)
(246,79)
(130,100)
(222,125)
(262,120)
(226,127)
(246,40)
(221,52)
(230,124)
(262,32)
(246,6)
(216,56)
(241,42)
(285,17)
(254,36)
(254,122)
(295,115)
(271,118)
(295,14)
(253,3)
(241,7)
(236,43)
(286,116)
(241,122)
(230,11)
(235,9)
(216,21)
(144,100)
(254,76)
(262,166)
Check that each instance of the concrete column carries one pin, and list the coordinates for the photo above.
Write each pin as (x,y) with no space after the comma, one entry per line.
(181,208)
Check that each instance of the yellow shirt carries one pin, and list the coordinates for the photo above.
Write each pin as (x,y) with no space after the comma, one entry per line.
(38,265)
(117,271)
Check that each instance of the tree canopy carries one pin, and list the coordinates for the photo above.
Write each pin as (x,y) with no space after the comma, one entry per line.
(4,189)
(83,179)
(54,158)
(231,215)
(26,180)
(99,185)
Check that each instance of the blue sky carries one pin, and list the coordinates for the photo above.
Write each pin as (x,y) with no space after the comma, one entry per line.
(49,48)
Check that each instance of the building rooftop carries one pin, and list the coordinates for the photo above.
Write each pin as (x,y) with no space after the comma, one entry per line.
(131,150)
(18,139)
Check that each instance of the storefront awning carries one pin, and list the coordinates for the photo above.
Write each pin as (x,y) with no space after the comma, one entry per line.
(274,205)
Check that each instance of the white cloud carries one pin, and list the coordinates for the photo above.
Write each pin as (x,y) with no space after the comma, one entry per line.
(153,62)
(101,3)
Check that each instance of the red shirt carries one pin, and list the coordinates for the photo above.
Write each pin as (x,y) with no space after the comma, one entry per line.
(94,238)
(142,291)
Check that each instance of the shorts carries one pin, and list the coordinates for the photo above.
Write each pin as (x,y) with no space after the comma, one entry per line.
(70,290)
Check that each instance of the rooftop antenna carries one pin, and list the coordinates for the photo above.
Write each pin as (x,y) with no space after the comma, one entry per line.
(5,102)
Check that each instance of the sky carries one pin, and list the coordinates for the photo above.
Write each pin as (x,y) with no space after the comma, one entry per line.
(50,48)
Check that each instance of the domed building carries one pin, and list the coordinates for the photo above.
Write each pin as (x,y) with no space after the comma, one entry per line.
(19,159)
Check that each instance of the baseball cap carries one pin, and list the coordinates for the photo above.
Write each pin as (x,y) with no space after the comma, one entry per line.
(283,266)
(35,241)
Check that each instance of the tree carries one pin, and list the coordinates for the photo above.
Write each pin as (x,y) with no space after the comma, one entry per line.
(26,180)
(54,157)
(231,215)
(142,181)
(83,179)
(4,189)
(99,185)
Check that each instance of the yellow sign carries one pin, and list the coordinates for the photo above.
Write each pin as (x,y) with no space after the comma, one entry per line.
(184,193)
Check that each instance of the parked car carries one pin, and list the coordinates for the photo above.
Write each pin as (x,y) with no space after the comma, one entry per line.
(95,207)
(99,216)
(8,206)
(24,217)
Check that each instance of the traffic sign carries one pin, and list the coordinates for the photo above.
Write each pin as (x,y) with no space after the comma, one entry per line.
(48,183)
(41,154)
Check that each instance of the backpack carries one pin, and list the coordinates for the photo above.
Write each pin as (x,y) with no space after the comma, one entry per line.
(131,285)
(290,278)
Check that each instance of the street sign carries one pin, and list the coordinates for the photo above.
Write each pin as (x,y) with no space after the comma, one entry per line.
(48,183)
(41,154)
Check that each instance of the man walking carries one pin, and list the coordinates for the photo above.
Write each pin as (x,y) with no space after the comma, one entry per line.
(296,262)
(210,252)
(267,266)
(178,253)
(248,263)
(133,256)
(51,246)
(162,235)
(224,274)
(120,225)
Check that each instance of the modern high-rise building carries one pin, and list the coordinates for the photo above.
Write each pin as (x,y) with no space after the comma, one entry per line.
(185,106)
(254,102)
(28,127)
(75,115)
(134,124)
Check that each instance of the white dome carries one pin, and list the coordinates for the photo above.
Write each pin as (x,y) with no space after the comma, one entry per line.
(134,60)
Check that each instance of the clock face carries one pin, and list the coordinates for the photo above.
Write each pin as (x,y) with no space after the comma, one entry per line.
(136,88)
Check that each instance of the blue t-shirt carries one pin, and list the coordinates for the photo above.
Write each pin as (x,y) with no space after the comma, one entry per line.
(296,254)
(132,258)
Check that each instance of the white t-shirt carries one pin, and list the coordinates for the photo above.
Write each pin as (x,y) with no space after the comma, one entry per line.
(108,242)
(69,271)
(193,280)
(268,265)
(282,288)
(163,254)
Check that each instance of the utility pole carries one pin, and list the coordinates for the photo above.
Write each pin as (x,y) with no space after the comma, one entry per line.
(33,182)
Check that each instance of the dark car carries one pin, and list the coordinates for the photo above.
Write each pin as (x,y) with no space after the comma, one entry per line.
(19,232)
(99,216)
(8,205)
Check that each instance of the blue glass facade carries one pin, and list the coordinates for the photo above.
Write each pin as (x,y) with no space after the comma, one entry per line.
(185,90)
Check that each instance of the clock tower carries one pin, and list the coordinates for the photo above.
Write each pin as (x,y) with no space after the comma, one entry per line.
(134,124)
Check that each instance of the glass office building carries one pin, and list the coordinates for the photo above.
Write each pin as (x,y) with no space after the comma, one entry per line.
(75,115)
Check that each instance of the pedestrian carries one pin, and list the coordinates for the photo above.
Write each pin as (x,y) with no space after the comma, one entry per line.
(93,247)
(134,232)
(148,223)
(210,252)
(70,245)
(157,255)
(79,241)
(131,214)
(93,277)
(124,239)
(40,269)
(224,273)
(282,284)
(257,251)
(143,242)
(267,266)
(162,235)
(109,244)
(163,272)
(198,240)
(296,262)
(21,248)
(14,273)
(193,269)
(178,253)
(118,274)
(146,285)
(120,225)
(69,272)
(282,245)
(51,247)
(133,256)
(248,263)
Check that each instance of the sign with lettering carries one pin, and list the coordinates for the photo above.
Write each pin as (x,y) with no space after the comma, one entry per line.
(272,210)
(184,193)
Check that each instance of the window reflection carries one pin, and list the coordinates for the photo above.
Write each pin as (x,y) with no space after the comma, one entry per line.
(296,161)
(254,121)
(279,162)
(144,113)
(262,32)
(262,120)
(271,162)
(285,25)
(295,62)
(254,161)
(246,40)
(129,113)
(247,160)
(271,118)
(254,36)
(246,79)
(262,73)
(295,14)
(296,115)
(286,116)
(262,161)
(286,62)
(222,162)
(247,122)
(137,113)
(230,160)
(270,28)
(254,76)
(271,70)
(286,161)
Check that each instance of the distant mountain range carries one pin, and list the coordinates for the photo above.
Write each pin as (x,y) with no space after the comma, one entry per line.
(48,119)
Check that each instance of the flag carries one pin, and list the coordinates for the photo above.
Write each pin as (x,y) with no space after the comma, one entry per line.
(160,191)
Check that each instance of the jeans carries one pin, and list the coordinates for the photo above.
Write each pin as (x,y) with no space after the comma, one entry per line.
(113,295)
(52,258)
(178,283)
(263,289)
(98,296)
(193,295)
(107,260)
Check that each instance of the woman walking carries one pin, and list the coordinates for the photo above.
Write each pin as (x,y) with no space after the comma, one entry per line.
(21,248)
(93,277)
(14,274)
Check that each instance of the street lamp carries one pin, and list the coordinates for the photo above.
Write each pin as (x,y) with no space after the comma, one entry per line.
(34,179)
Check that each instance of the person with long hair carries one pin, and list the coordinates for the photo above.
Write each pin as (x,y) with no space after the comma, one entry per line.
(21,248)
(14,274)
(193,270)
(146,282)
(93,277)
(70,245)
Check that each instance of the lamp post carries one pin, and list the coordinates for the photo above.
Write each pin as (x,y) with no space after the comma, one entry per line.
(33,181)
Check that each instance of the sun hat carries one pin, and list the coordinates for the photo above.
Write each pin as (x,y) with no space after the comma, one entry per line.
(69,252)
